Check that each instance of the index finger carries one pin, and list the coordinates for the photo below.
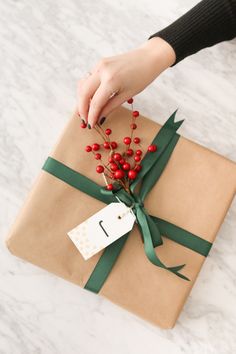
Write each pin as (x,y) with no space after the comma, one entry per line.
(99,100)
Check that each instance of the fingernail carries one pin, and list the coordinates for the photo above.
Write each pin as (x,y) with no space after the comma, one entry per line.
(102,120)
(83,121)
(89,126)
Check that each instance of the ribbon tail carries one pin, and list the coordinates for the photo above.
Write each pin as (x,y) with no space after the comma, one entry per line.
(171,121)
(154,231)
(144,220)
(157,239)
(177,268)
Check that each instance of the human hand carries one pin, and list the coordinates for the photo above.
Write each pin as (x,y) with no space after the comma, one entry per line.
(127,73)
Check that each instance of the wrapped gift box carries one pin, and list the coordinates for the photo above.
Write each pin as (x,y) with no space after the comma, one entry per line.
(194,192)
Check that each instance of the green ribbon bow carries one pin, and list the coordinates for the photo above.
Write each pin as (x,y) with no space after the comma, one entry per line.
(151,227)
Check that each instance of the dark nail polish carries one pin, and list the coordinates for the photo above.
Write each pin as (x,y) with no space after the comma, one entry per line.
(83,121)
(102,120)
(89,126)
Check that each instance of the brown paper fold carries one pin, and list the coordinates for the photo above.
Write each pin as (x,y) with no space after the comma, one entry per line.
(194,192)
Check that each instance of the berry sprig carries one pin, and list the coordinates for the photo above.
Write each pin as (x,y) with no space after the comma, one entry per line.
(121,168)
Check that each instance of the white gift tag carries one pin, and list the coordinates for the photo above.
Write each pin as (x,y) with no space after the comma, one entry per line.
(102,228)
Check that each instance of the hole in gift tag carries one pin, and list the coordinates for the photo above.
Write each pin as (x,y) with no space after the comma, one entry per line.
(129,209)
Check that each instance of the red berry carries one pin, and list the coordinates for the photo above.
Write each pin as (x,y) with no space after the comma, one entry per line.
(83,125)
(122,161)
(109,186)
(106,145)
(119,174)
(95,146)
(126,166)
(132,174)
(113,166)
(152,148)
(135,114)
(138,152)
(114,144)
(110,159)
(99,169)
(117,156)
(138,168)
(133,126)
(129,152)
(127,140)
(108,131)
(136,140)
(97,156)
(137,158)
(130,100)
(88,148)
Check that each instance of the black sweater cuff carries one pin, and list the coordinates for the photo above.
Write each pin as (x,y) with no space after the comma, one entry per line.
(207,23)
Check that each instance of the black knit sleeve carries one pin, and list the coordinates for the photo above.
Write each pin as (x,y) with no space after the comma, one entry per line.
(207,23)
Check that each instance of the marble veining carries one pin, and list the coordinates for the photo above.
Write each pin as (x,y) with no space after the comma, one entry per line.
(46,46)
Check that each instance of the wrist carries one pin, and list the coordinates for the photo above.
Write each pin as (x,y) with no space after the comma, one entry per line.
(160,51)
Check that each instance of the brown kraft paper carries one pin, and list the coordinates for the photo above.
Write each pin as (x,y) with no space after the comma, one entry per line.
(194,192)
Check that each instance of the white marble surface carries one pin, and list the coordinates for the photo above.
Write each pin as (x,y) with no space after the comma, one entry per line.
(46,46)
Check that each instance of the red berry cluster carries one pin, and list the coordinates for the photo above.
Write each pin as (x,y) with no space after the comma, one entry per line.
(123,167)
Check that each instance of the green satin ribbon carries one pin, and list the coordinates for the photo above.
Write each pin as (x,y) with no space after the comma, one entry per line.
(151,227)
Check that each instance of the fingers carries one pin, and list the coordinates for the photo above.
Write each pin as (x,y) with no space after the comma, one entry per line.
(85,91)
(113,103)
(99,100)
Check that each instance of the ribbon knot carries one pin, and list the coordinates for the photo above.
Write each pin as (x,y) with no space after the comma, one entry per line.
(130,199)
(138,202)
(138,205)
